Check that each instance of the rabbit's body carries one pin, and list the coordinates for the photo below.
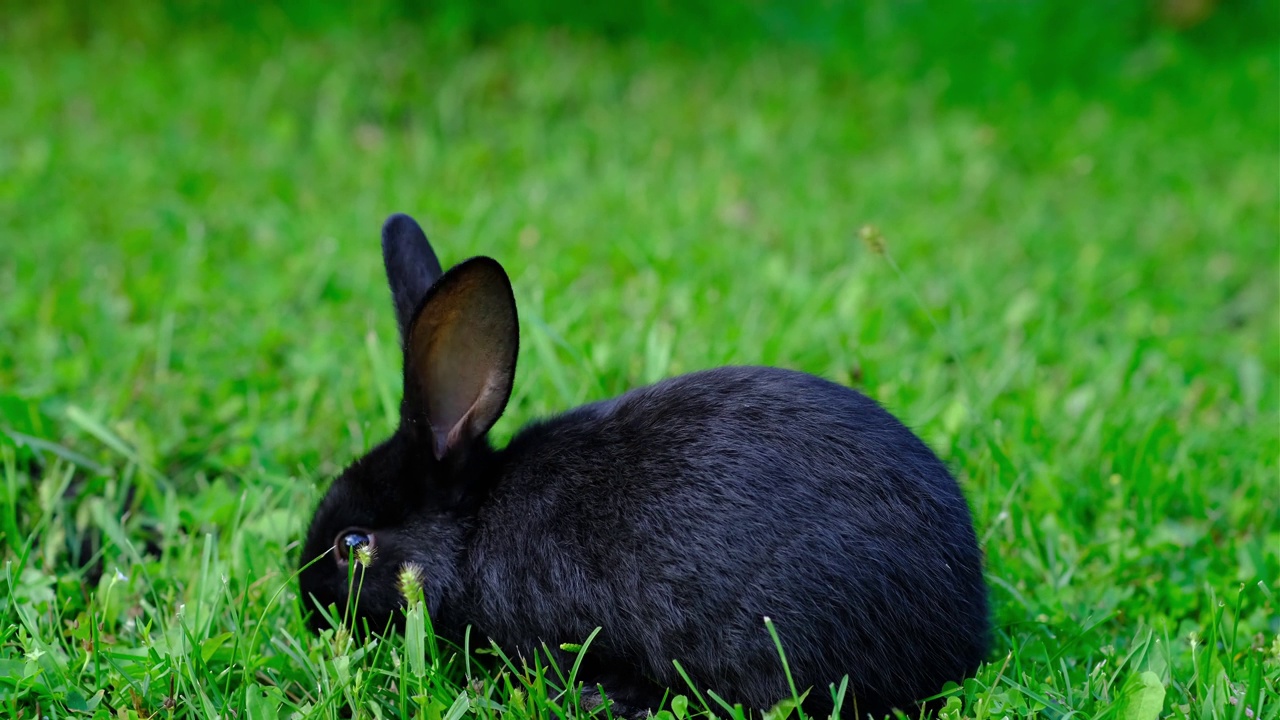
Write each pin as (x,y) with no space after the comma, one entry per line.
(677,517)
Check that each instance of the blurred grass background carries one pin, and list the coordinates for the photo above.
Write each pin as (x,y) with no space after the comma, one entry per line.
(1077,301)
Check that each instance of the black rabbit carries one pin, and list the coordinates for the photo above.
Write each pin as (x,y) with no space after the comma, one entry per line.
(674,517)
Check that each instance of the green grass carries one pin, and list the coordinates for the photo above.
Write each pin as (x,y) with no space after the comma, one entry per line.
(1077,304)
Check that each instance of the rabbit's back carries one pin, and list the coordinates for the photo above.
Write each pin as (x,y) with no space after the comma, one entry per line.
(677,516)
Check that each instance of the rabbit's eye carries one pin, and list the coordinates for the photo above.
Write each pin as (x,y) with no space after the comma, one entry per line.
(356,543)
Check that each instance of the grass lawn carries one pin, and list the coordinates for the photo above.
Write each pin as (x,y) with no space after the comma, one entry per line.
(1065,276)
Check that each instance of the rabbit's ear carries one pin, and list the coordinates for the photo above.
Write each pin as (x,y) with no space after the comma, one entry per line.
(460,356)
(412,267)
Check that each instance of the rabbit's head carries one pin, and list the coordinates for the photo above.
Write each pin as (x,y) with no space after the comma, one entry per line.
(402,509)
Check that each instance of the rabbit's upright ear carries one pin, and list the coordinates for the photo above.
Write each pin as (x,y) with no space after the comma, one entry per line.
(412,267)
(460,356)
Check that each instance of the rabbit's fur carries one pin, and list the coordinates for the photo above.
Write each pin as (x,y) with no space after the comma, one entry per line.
(675,517)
